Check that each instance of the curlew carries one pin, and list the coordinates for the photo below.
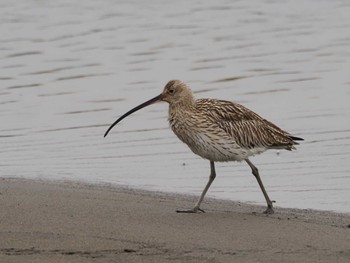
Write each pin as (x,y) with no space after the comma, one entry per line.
(219,131)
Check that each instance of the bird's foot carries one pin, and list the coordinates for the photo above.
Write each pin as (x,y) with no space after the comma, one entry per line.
(269,211)
(196,209)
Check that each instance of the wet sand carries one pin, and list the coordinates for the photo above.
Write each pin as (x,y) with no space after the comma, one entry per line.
(47,221)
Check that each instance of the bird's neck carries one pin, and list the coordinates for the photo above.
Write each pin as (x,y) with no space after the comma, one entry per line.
(185,104)
(180,110)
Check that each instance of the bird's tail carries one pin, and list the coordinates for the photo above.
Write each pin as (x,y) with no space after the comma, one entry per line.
(294,138)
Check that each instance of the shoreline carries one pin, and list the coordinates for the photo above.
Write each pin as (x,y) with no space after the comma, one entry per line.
(63,221)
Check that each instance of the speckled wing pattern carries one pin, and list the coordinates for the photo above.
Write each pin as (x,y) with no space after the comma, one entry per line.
(247,128)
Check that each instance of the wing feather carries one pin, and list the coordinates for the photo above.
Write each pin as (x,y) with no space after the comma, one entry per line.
(247,128)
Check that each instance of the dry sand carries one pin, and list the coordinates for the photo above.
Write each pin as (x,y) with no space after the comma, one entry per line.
(44,221)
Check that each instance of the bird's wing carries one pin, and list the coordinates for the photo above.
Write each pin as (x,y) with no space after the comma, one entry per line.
(245,126)
(256,133)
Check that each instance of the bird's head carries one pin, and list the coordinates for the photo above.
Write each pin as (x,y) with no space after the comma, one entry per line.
(175,92)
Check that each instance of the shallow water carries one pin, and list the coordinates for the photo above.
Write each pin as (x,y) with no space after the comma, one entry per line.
(70,68)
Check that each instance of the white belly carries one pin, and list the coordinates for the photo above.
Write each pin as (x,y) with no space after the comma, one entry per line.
(216,148)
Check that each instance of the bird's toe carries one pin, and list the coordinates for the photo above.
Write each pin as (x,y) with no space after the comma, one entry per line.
(269,211)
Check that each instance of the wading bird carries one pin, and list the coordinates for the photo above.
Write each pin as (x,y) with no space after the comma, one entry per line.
(219,131)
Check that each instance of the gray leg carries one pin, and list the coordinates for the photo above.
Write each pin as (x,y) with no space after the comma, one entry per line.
(196,208)
(255,172)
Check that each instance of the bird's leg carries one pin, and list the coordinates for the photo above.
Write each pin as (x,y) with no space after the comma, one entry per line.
(196,208)
(255,172)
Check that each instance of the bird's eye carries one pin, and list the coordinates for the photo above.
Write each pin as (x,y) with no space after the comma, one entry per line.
(171,91)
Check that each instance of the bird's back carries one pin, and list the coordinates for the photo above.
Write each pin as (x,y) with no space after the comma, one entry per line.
(246,127)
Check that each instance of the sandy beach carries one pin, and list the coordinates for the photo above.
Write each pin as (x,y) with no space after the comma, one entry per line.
(47,221)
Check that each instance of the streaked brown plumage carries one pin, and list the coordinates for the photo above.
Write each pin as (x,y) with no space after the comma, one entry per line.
(219,131)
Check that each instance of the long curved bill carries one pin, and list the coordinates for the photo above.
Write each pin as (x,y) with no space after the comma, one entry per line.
(145,104)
